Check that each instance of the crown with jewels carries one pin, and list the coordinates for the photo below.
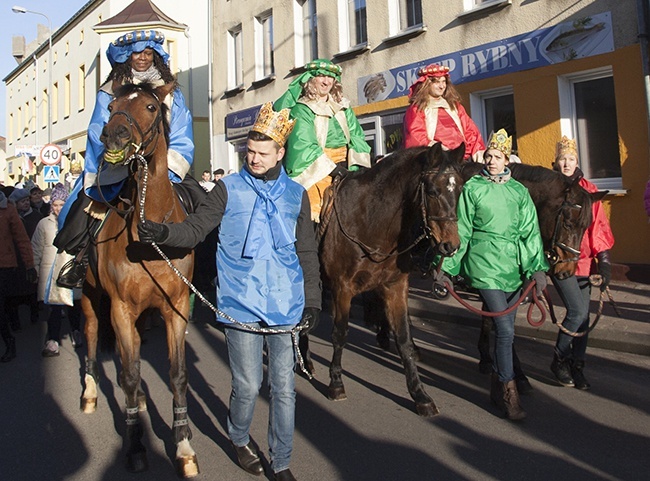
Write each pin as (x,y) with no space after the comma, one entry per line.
(499,140)
(433,70)
(276,125)
(566,146)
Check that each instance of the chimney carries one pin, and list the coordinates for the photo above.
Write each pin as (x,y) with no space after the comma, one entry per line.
(18,47)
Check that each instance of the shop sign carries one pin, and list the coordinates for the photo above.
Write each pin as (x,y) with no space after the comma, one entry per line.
(239,123)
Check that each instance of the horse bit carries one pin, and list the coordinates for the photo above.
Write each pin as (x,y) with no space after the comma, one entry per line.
(552,256)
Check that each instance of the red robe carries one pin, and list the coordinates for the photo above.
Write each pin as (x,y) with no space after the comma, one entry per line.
(447,131)
(598,236)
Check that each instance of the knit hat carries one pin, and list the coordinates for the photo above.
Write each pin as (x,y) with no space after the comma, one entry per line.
(59,192)
(18,194)
(120,50)
(313,69)
(430,71)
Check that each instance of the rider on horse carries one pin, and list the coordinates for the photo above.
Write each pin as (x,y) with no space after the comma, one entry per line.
(136,57)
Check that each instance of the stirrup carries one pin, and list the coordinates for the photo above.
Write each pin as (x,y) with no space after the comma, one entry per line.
(72,274)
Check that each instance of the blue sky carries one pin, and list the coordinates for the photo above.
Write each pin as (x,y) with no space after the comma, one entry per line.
(59,12)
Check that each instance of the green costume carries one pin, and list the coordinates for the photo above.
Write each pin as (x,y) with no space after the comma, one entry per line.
(320,125)
(501,244)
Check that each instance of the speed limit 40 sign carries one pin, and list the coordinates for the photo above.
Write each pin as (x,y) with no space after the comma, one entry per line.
(51,154)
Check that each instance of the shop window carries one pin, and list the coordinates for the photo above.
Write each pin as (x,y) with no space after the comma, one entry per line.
(373,135)
(264,67)
(305,31)
(404,15)
(588,114)
(235,58)
(493,110)
(353,28)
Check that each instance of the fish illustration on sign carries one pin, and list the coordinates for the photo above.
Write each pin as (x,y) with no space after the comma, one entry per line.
(578,34)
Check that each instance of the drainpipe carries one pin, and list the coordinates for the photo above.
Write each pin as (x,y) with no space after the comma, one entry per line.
(210,92)
(190,89)
(642,16)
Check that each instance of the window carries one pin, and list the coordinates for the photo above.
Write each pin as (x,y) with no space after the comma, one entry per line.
(32,120)
(305,31)
(55,102)
(170,48)
(82,87)
(19,119)
(264,46)
(493,110)
(11,127)
(81,36)
(352,24)
(26,119)
(588,114)
(44,109)
(235,58)
(404,14)
(66,96)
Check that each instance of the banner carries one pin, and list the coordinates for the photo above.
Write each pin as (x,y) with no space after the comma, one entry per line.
(584,37)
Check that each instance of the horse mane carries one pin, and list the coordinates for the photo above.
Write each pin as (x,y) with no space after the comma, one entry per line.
(149,89)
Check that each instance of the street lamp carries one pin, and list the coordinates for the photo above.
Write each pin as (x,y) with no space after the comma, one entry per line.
(18,9)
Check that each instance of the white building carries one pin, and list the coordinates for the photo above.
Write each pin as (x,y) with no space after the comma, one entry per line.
(79,66)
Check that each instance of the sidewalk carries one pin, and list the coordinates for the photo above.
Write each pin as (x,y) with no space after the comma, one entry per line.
(629,333)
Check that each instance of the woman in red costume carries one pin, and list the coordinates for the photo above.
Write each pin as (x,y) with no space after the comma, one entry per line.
(575,291)
(436,115)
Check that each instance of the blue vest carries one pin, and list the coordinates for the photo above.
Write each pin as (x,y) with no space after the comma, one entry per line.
(268,287)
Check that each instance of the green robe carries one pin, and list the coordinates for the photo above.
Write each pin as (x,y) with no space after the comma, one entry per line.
(501,244)
(323,125)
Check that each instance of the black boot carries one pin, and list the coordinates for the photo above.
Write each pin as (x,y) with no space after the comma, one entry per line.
(11,350)
(562,371)
(73,274)
(578,376)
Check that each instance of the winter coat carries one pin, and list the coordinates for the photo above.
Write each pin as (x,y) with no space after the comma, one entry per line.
(14,238)
(44,251)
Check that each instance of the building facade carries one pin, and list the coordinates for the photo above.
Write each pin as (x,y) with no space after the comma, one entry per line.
(79,66)
(539,69)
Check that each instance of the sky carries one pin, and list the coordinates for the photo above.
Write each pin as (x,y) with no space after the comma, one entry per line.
(58,11)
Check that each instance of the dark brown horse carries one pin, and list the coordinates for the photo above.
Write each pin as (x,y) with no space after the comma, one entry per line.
(133,275)
(564,213)
(368,232)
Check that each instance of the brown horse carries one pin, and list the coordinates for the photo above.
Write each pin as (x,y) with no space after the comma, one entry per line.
(368,233)
(132,275)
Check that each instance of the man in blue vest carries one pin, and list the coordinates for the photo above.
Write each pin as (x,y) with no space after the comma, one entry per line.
(269,277)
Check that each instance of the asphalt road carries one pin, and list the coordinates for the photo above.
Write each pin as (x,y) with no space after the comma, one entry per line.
(374,435)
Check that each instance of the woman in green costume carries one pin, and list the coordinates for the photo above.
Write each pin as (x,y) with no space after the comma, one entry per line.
(327,139)
(501,247)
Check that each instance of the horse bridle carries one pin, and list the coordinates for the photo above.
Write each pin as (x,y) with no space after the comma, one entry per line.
(552,256)
(138,152)
(423,205)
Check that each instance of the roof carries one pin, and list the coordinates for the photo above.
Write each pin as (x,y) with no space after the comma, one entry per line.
(139,12)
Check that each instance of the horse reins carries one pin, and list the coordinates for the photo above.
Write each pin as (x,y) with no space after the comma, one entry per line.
(258,330)
(425,218)
(551,255)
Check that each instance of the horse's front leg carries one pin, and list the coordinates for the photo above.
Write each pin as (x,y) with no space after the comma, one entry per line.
(186,460)
(485,364)
(341,315)
(396,299)
(128,341)
(90,304)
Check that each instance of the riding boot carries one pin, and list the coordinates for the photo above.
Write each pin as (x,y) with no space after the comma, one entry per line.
(73,274)
(10,353)
(496,392)
(578,376)
(562,371)
(513,408)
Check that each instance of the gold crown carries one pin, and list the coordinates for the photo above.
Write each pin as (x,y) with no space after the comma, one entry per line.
(500,141)
(275,125)
(566,145)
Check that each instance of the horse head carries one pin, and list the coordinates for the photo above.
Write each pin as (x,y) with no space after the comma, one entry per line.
(440,186)
(573,218)
(137,118)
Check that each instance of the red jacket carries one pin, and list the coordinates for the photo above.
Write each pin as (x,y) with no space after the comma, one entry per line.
(598,236)
(447,132)
(13,235)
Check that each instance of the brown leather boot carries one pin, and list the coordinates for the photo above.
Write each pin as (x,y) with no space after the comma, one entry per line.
(513,408)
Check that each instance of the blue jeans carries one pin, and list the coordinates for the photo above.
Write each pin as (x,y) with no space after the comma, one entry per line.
(245,352)
(576,295)
(504,330)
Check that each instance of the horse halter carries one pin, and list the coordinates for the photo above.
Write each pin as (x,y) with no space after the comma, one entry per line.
(154,128)
(423,204)
(552,256)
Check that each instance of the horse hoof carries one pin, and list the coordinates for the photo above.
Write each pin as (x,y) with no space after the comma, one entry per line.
(137,462)
(187,466)
(485,367)
(427,410)
(89,405)
(336,394)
